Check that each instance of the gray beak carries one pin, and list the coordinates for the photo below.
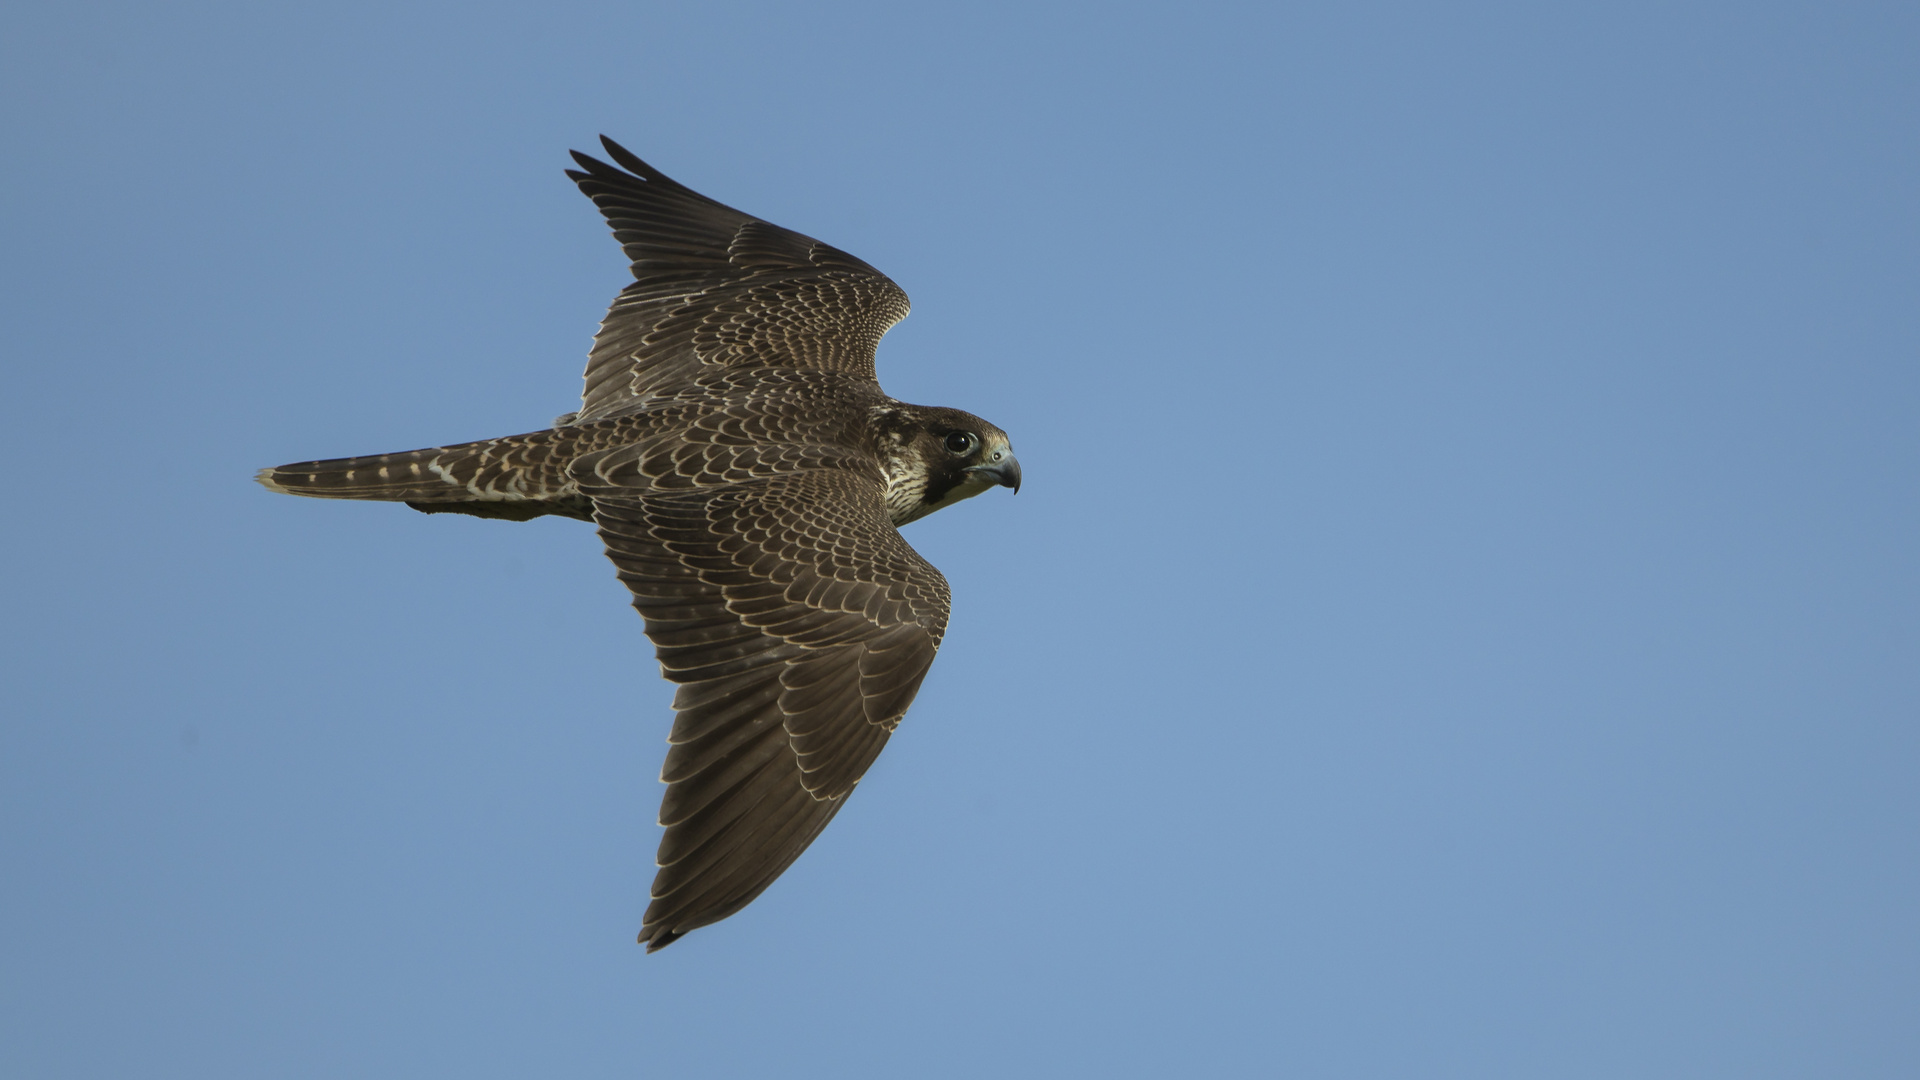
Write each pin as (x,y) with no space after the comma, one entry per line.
(1005,473)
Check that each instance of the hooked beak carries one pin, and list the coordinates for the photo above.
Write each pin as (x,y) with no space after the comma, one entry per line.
(1005,473)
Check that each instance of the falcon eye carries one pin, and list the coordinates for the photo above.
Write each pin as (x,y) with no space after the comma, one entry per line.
(960,442)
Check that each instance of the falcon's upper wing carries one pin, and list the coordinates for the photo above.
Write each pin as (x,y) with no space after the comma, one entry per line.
(715,286)
(799,625)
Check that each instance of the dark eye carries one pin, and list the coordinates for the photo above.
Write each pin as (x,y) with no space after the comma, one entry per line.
(960,442)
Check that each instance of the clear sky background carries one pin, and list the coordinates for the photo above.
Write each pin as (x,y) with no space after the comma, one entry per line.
(1462,618)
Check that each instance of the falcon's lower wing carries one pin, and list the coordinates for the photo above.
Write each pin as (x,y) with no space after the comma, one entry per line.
(799,625)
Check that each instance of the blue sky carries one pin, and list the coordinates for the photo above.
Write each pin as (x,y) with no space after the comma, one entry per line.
(1460,620)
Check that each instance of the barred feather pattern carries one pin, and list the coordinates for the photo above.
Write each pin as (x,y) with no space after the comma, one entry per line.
(716,288)
(799,626)
(747,475)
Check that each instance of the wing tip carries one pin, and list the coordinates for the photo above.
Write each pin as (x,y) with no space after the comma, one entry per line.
(658,937)
(622,157)
(589,166)
(629,160)
(628,172)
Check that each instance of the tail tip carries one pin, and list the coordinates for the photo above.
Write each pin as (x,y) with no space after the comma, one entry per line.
(265,479)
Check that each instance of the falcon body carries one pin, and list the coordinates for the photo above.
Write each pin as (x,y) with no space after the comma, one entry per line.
(748,477)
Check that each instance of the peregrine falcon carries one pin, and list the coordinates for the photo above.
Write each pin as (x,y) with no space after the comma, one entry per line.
(749,478)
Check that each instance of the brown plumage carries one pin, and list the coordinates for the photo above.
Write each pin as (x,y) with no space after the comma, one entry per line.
(748,477)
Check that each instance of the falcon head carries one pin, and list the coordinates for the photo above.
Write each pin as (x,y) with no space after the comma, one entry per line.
(934,458)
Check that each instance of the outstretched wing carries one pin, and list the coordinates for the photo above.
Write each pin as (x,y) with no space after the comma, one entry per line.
(716,287)
(799,625)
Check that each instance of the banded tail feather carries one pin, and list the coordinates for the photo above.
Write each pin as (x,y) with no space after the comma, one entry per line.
(516,478)
(748,476)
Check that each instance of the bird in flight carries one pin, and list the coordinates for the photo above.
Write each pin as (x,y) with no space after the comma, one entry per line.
(749,478)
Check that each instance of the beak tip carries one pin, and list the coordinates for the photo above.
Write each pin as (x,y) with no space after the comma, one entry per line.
(1006,474)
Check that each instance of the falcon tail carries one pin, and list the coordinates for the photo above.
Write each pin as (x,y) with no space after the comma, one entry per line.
(515,478)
